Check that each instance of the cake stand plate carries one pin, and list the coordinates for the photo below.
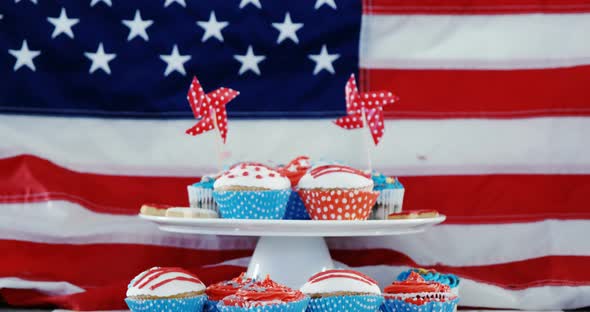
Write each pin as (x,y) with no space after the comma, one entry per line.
(292,250)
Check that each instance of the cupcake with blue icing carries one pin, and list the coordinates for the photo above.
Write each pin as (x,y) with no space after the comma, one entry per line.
(391,195)
(450,280)
(200,194)
(416,294)
(252,191)
(166,289)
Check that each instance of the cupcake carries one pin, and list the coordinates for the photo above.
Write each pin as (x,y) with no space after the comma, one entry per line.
(416,294)
(335,192)
(294,171)
(158,210)
(166,289)
(348,290)
(217,292)
(200,194)
(450,280)
(264,296)
(191,213)
(252,191)
(391,195)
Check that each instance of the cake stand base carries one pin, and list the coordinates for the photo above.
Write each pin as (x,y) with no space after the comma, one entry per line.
(289,260)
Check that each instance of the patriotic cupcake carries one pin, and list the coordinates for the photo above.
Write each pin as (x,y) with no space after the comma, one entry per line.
(391,195)
(252,191)
(264,296)
(166,289)
(450,280)
(217,292)
(335,192)
(200,194)
(343,291)
(416,294)
(294,171)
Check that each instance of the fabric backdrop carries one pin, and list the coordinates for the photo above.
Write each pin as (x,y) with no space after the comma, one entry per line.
(491,130)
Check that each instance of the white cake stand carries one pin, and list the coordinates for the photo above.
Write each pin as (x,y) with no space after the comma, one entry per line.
(292,250)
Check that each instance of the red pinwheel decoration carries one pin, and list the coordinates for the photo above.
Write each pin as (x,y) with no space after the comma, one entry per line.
(365,108)
(209,108)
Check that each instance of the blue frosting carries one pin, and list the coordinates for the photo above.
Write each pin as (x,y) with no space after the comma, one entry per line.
(382,182)
(206,182)
(448,279)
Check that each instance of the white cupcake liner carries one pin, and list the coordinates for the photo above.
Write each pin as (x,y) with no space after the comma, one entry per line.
(199,197)
(389,201)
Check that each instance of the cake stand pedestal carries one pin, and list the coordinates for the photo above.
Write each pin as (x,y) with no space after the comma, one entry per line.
(292,250)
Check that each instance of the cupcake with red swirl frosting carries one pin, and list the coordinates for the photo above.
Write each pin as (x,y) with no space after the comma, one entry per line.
(343,291)
(166,289)
(336,192)
(264,296)
(251,191)
(294,171)
(217,292)
(417,294)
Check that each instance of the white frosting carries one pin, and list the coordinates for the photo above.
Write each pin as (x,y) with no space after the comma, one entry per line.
(339,281)
(253,176)
(191,212)
(335,179)
(171,288)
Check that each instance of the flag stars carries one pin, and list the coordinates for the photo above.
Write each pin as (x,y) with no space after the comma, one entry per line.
(100,59)
(287,29)
(330,3)
(212,27)
(62,24)
(179,2)
(324,60)
(249,61)
(137,27)
(24,56)
(255,3)
(175,61)
(107,2)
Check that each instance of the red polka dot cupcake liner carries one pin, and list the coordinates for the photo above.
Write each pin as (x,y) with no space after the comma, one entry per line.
(338,204)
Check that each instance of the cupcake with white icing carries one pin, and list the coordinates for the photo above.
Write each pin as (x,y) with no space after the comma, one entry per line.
(342,290)
(252,191)
(166,289)
(335,192)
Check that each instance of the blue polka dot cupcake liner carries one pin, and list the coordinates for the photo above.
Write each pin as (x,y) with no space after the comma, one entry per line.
(191,304)
(358,303)
(211,306)
(396,305)
(296,208)
(252,204)
(295,306)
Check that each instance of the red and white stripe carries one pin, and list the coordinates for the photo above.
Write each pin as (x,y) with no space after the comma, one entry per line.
(491,130)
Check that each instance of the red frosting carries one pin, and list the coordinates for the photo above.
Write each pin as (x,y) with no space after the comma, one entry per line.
(415,284)
(261,293)
(218,291)
(295,169)
(322,170)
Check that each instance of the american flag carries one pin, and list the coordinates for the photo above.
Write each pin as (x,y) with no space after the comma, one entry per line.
(492,130)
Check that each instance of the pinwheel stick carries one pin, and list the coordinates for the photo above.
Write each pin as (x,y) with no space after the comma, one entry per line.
(366,140)
(218,142)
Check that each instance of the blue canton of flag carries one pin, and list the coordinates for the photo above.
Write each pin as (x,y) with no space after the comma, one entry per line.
(121,58)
